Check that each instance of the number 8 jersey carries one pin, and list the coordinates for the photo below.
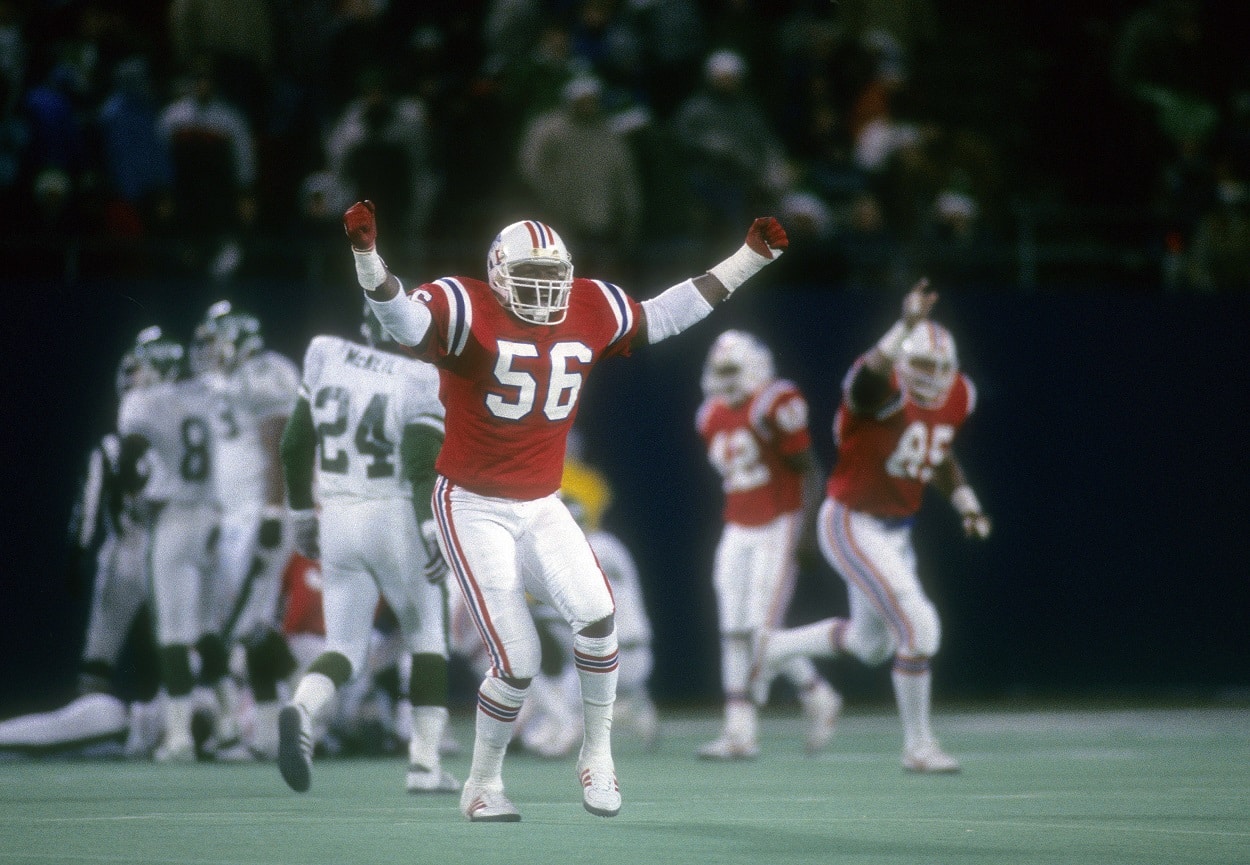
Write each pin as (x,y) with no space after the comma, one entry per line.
(886,457)
(511,388)
(361,400)
(175,418)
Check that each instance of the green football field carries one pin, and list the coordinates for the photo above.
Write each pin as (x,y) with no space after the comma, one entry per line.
(1090,787)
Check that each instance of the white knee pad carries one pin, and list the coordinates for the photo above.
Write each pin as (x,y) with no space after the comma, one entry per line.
(926,631)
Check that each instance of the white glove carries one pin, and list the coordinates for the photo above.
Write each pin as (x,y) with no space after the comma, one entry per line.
(435,565)
(976,523)
(305,534)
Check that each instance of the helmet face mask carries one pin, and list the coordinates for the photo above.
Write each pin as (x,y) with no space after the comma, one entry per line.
(153,359)
(224,339)
(928,364)
(531,272)
(737,367)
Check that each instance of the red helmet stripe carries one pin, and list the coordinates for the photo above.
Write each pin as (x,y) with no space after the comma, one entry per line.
(532,227)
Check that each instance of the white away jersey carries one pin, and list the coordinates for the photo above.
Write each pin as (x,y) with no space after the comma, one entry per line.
(264,386)
(361,400)
(175,419)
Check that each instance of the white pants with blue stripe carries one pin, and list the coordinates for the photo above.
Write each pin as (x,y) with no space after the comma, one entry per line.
(890,612)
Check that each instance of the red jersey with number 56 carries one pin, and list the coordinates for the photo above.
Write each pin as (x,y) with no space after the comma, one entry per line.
(886,458)
(748,445)
(511,388)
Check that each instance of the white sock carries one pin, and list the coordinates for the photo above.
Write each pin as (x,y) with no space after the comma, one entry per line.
(912,687)
(428,724)
(813,641)
(741,721)
(735,665)
(497,706)
(800,671)
(597,660)
(315,692)
(177,720)
(265,727)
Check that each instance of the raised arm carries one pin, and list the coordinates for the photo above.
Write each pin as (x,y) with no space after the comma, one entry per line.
(407,322)
(871,387)
(689,302)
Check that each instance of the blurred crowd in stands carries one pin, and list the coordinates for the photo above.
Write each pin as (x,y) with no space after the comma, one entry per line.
(223,138)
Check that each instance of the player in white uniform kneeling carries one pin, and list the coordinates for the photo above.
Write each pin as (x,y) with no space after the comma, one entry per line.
(902,404)
(164,424)
(369,425)
(513,353)
(754,426)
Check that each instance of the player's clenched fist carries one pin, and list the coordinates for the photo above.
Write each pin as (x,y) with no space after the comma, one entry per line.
(767,237)
(361,225)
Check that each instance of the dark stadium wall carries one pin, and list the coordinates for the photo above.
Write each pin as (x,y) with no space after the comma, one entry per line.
(1109,446)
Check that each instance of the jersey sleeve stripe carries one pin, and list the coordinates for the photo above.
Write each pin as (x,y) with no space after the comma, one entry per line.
(620,308)
(460,315)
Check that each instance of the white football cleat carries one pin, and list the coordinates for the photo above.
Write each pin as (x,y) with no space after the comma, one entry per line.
(601,794)
(822,706)
(487,805)
(726,749)
(930,759)
(295,747)
(423,780)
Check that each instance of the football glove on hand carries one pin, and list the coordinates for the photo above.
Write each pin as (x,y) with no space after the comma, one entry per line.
(361,226)
(918,303)
(305,533)
(976,523)
(767,238)
(977,526)
(435,565)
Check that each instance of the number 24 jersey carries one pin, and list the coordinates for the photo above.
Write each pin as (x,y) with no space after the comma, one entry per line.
(361,400)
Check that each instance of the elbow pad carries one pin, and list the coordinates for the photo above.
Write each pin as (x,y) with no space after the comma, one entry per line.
(676,309)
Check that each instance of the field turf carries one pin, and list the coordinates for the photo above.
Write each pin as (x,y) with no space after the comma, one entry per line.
(1087,787)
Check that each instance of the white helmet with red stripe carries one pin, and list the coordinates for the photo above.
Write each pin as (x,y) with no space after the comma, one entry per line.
(737,366)
(531,272)
(927,364)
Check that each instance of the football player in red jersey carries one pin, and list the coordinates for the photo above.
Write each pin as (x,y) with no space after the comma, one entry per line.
(513,353)
(754,426)
(902,404)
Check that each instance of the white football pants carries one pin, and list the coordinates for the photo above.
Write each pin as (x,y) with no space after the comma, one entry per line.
(890,612)
(498,550)
(372,548)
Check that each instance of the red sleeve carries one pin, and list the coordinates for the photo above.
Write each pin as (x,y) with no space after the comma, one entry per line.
(788,416)
(623,314)
(435,298)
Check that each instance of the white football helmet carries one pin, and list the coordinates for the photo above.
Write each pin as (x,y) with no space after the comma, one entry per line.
(737,367)
(531,272)
(153,358)
(224,339)
(927,364)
